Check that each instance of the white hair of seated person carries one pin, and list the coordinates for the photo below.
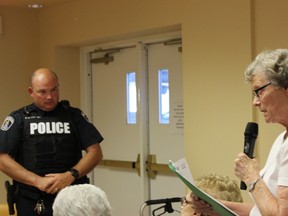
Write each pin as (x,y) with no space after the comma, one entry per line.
(81,200)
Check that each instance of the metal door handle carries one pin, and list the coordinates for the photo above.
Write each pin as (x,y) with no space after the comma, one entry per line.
(152,168)
(134,165)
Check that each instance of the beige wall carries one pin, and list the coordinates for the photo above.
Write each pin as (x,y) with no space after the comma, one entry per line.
(19,55)
(219,40)
(216,100)
(19,51)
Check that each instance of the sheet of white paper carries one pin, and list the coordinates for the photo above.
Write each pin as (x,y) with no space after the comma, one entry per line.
(183,168)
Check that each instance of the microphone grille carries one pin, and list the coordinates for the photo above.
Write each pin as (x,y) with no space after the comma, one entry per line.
(251,129)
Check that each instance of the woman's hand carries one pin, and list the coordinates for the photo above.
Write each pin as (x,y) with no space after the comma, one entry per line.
(246,169)
(200,207)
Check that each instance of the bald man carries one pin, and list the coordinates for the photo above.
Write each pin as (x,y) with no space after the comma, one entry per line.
(41,146)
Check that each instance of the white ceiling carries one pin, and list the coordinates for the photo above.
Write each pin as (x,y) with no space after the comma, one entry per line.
(24,3)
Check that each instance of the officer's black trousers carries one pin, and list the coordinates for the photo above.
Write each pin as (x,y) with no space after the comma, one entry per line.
(25,206)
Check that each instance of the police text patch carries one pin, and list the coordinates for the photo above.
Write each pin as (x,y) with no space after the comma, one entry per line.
(50,128)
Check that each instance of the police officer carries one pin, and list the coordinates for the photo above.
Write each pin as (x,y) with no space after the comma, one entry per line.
(41,146)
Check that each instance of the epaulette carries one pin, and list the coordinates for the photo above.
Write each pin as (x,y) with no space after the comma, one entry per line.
(28,109)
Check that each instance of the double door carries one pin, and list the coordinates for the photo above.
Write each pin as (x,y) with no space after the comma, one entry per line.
(141,132)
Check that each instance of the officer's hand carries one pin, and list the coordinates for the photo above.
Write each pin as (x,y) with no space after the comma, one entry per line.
(60,181)
(43,182)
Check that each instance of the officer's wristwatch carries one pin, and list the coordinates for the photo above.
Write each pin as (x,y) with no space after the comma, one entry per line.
(74,173)
(252,185)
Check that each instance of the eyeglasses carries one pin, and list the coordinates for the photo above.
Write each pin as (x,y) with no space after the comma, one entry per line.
(258,92)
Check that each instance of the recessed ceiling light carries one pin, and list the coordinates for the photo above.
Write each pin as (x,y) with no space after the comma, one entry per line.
(35,6)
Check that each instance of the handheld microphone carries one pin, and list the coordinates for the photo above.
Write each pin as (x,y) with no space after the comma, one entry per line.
(250,135)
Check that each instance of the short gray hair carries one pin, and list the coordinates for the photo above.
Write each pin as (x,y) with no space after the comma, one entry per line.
(82,199)
(273,64)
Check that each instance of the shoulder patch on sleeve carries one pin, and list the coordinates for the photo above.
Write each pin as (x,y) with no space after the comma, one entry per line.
(8,122)
(85,116)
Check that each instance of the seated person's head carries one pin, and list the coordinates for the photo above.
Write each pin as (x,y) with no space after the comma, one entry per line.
(220,187)
(82,199)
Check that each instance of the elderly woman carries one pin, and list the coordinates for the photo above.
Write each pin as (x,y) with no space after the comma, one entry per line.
(81,200)
(268,75)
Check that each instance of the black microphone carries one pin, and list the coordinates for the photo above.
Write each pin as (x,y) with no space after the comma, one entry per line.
(250,135)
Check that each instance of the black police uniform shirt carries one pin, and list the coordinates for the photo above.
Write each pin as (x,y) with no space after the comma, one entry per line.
(47,142)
